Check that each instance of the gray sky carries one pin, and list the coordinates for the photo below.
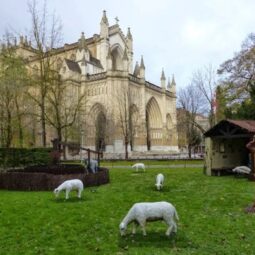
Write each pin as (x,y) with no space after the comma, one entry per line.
(179,36)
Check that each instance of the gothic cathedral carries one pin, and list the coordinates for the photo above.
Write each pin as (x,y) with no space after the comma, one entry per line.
(121,110)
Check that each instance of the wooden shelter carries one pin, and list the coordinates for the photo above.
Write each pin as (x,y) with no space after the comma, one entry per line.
(225,146)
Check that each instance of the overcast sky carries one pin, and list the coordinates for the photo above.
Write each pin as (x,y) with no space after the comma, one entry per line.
(179,36)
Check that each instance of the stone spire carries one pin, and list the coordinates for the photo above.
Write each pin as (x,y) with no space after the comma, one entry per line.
(163,80)
(142,63)
(129,35)
(142,68)
(104,18)
(82,42)
(82,51)
(104,31)
(137,69)
(129,39)
(173,85)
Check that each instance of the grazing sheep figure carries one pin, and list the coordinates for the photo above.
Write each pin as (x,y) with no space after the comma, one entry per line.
(142,212)
(159,181)
(93,165)
(242,170)
(69,185)
(139,165)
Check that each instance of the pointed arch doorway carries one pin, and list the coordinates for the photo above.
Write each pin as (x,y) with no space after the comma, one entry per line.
(100,132)
(153,122)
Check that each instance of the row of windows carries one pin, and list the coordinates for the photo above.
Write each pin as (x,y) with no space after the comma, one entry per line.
(96,91)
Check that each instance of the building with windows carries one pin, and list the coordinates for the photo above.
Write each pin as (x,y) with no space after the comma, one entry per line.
(120,109)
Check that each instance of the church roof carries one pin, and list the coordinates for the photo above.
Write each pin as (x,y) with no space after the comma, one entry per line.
(114,29)
(137,69)
(96,62)
(73,66)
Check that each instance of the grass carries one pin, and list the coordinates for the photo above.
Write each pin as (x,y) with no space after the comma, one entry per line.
(171,162)
(212,220)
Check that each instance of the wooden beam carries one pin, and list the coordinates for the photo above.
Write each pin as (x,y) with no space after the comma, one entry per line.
(227,136)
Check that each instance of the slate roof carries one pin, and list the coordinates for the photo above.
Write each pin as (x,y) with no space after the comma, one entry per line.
(95,61)
(73,66)
(230,128)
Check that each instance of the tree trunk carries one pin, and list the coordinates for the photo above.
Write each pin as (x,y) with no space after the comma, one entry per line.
(43,127)
(9,130)
(189,150)
(21,135)
(59,133)
(126,148)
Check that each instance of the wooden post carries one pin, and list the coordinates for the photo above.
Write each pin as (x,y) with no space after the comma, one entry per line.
(251,147)
(98,158)
(89,157)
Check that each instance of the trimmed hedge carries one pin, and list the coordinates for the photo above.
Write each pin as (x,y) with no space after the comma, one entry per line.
(46,181)
(17,157)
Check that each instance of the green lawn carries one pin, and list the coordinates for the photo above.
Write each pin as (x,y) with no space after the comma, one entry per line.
(211,214)
(171,162)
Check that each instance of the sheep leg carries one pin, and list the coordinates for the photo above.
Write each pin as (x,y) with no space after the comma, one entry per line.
(174,227)
(142,224)
(79,193)
(134,228)
(67,194)
(169,230)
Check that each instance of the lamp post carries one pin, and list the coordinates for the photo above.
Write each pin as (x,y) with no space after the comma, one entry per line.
(81,146)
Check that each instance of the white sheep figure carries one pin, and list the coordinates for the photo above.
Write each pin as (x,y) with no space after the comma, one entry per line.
(139,166)
(142,212)
(242,170)
(69,185)
(159,181)
(93,165)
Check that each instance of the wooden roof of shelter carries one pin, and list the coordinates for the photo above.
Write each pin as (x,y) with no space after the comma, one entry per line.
(232,129)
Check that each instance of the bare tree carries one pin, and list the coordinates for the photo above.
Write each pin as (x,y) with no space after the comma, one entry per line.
(205,81)
(190,104)
(64,103)
(13,77)
(45,36)
(126,98)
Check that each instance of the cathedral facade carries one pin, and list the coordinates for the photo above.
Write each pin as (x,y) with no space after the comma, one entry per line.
(121,109)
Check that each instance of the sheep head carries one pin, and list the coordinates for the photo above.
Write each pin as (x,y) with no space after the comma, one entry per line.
(56,192)
(158,186)
(123,229)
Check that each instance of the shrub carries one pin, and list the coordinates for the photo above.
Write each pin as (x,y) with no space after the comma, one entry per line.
(17,157)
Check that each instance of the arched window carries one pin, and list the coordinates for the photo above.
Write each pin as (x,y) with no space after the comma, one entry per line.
(117,54)
(169,122)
